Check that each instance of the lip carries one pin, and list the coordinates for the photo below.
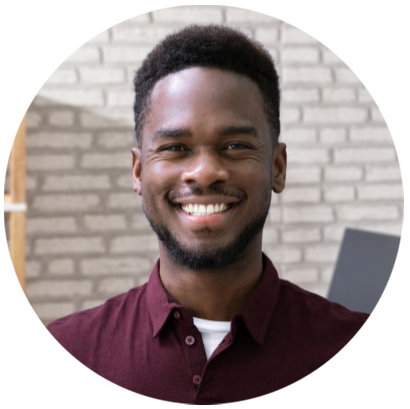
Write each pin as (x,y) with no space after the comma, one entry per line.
(215,220)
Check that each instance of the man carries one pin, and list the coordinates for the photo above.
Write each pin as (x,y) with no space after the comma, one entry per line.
(214,323)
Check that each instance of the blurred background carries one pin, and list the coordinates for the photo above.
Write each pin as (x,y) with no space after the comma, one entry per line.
(82,237)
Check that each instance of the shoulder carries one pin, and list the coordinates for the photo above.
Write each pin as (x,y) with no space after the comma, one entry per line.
(315,313)
(76,330)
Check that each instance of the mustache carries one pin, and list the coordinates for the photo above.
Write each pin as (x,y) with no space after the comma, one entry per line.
(209,191)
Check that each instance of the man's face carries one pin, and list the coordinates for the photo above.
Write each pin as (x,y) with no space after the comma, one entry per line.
(207,166)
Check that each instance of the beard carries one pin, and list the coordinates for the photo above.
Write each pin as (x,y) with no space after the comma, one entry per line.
(214,258)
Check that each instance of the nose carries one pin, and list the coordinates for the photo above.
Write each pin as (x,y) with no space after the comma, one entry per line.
(205,168)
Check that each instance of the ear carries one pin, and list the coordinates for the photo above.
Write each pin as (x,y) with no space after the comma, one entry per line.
(136,170)
(279,168)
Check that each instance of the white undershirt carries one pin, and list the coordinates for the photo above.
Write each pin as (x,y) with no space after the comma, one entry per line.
(212,333)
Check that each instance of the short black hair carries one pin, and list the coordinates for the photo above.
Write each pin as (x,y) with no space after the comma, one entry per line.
(210,46)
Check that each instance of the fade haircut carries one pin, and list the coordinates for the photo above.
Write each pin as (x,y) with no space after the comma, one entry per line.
(211,46)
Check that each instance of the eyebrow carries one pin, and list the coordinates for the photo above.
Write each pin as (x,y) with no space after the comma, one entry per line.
(172,133)
(238,130)
(229,130)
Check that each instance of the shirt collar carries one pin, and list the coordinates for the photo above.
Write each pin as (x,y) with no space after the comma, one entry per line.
(256,312)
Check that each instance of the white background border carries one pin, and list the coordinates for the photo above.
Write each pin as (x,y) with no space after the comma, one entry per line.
(371,37)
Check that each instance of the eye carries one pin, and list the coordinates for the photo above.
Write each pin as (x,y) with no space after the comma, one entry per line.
(236,146)
(174,148)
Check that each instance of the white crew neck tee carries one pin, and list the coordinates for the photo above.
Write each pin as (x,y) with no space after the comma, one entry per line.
(213,332)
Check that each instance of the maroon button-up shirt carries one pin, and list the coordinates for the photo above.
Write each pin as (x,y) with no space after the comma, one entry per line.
(144,341)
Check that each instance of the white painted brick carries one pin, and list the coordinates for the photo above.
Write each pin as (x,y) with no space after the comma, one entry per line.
(308,155)
(33,269)
(357,213)
(139,243)
(124,180)
(380,192)
(59,139)
(290,115)
(76,182)
(267,35)
(100,38)
(113,266)
(88,304)
(377,115)
(326,274)
(140,19)
(329,57)
(322,253)
(61,267)
(292,35)
(116,139)
(33,119)
(59,288)
(345,75)
(105,222)
(382,173)
(140,222)
(48,311)
(49,162)
(301,195)
(307,75)
(63,76)
(65,202)
(364,155)
(280,255)
(270,235)
(339,95)
(101,75)
(335,115)
(371,134)
(124,200)
(343,173)
(298,135)
(308,174)
(394,229)
(120,98)
(300,55)
(61,118)
(85,54)
(333,232)
(140,34)
(299,274)
(31,183)
(69,96)
(297,95)
(239,15)
(105,119)
(113,286)
(190,15)
(364,96)
(112,160)
(308,214)
(332,135)
(68,245)
(339,194)
(38,225)
(117,54)
(301,235)
(318,288)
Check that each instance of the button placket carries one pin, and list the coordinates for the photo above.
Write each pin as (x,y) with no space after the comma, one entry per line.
(190,340)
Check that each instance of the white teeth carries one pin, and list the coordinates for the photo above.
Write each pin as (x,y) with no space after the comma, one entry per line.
(202,210)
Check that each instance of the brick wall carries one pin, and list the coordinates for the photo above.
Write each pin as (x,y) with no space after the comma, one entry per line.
(87,238)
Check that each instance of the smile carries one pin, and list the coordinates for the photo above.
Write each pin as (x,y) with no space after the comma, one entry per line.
(205,210)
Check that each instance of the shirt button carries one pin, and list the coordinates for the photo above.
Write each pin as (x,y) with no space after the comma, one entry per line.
(190,340)
(196,379)
(177,315)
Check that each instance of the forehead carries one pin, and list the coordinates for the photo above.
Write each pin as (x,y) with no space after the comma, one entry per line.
(197,95)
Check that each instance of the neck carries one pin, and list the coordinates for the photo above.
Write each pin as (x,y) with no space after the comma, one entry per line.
(213,295)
